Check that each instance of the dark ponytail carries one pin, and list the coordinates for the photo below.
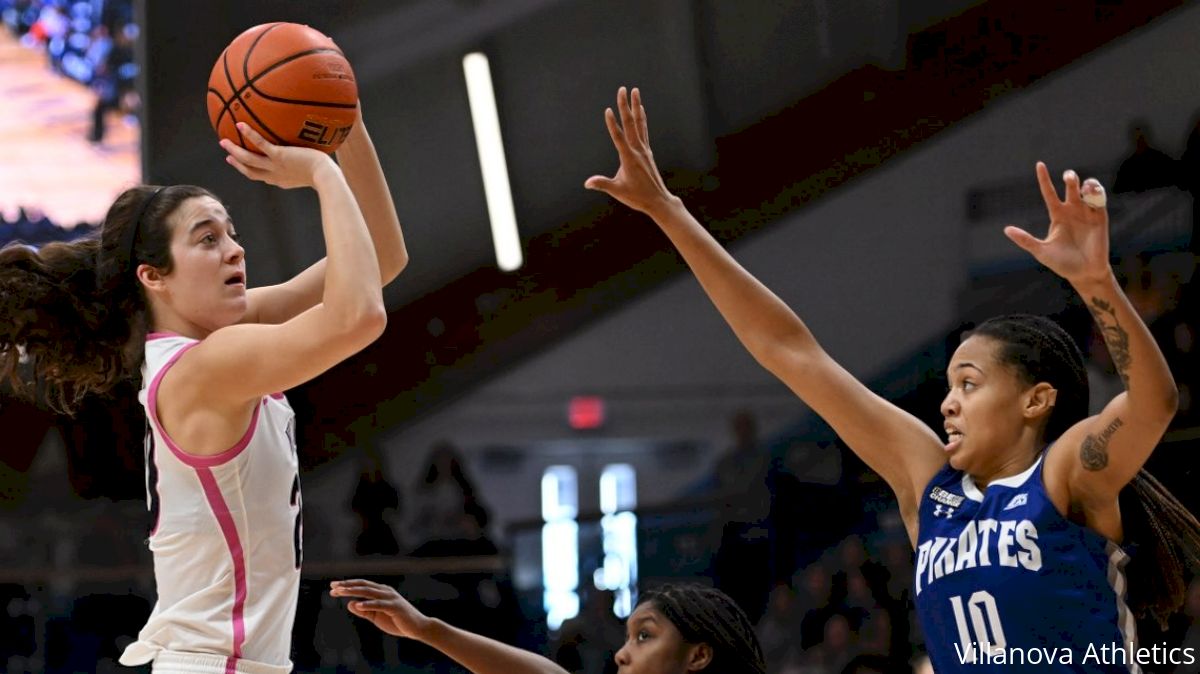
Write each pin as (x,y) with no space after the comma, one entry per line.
(73,316)
(1169,540)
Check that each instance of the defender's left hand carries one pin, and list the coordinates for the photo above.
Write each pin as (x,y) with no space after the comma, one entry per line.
(1076,245)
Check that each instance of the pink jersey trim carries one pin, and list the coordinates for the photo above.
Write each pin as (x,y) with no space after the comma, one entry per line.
(162,334)
(278,396)
(191,459)
(216,501)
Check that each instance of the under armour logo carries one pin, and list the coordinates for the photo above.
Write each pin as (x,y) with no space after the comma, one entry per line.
(940,510)
(1018,500)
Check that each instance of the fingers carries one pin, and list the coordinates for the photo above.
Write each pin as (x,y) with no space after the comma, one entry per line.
(639,116)
(256,138)
(614,132)
(361,612)
(1026,241)
(248,171)
(364,592)
(1093,193)
(370,605)
(355,582)
(1071,182)
(359,588)
(1049,194)
(628,125)
(600,184)
(243,155)
(369,593)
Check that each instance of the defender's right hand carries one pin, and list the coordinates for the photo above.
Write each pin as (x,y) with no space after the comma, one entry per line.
(637,183)
(383,606)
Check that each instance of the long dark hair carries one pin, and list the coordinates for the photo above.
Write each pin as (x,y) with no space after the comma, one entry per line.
(709,616)
(73,316)
(1166,535)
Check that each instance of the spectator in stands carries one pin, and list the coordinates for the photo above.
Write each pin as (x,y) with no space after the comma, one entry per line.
(836,649)
(588,642)
(104,81)
(1146,167)
(779,629)
(814,599)
(374,498)
(448,516)
(742,564)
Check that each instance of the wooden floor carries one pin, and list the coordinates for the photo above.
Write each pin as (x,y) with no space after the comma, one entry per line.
(46,160)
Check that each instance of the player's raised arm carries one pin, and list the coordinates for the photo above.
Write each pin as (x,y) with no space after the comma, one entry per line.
(360,166)
(242,362)
(1101,454)
(392,613)
(894,443)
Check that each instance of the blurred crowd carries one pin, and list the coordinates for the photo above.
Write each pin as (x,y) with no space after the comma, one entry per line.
(86,40)
(90,41)
(32,227)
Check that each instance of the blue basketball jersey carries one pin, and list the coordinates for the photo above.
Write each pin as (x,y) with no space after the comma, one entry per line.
(1004,581)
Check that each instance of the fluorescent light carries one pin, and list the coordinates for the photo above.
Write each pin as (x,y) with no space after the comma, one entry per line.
(491,161)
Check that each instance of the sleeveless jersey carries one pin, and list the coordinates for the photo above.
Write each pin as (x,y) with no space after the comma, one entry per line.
(225,535)
(1004,581)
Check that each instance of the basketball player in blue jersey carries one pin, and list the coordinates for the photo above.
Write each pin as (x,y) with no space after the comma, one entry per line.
(1015,517)
(163,290)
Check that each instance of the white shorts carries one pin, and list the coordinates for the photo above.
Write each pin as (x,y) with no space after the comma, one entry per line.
(173,662)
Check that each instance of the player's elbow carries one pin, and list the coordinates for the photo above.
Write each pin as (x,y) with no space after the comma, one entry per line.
(1159,408)
(356,328)
(1169,400)
(398,264)
(371,322)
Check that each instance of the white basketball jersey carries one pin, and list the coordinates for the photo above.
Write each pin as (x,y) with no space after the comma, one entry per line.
(226,535)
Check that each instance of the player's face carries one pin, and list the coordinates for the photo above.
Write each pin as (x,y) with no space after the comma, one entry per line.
(653,645)
(207,284)
(982,409)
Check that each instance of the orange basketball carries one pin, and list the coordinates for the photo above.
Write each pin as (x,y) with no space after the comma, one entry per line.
(288,82)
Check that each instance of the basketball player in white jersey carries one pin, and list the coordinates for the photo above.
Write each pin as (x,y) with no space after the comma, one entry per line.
(167,274)
(222,473)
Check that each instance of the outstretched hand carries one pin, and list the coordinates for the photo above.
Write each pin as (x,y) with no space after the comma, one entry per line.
(279,165)
(1076,245)
(637,183)
(382,605)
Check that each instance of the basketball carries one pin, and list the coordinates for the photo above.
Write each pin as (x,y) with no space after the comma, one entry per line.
(289,82)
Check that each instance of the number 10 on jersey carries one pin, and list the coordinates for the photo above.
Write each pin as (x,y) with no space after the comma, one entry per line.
(983,630)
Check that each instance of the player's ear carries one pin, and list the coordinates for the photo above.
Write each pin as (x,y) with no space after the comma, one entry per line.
(1039,400)
(151,278)
(699,657)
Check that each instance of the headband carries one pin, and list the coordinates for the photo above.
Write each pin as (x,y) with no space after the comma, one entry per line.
(129,236)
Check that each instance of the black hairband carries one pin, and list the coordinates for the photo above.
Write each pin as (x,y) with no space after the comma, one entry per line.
(129,236)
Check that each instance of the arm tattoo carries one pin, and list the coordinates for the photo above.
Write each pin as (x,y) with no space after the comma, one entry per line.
(1094,451)
(1115,337)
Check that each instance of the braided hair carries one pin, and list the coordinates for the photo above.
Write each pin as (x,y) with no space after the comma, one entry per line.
(1038,350)
(707,615)
(73,316)
(1166,534)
